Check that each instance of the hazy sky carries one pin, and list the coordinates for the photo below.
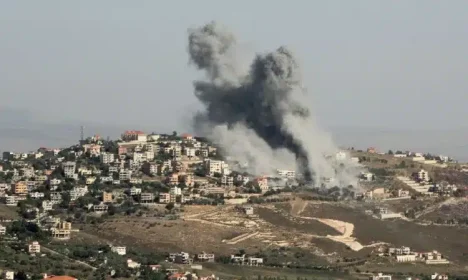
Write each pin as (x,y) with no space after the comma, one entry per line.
(384,64)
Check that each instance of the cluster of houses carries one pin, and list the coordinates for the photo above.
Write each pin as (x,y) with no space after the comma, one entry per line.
(405,254)
(421,183)
(183,164)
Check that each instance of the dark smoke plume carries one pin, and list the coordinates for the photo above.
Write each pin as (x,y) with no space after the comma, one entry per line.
(267,99)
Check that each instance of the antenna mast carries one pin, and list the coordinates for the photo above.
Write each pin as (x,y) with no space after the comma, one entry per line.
(82,133)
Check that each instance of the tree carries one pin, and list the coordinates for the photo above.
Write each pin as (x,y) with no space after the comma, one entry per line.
(390,152)
(20,275)
(174,133)
(170,206)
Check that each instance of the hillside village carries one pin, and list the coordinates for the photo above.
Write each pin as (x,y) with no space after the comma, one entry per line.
(53,194)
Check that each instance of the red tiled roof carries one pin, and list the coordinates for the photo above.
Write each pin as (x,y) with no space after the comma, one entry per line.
(52,277)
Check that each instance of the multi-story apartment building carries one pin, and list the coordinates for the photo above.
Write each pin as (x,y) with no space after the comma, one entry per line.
(69,169)
(20,188)
(147,198)
(61,230)
(107,158)
(217,166)
(34,247)
(125,175)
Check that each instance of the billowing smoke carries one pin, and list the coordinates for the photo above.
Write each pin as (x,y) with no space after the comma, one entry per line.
(258,115)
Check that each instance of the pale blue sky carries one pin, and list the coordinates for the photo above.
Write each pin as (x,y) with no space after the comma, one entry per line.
(385,64)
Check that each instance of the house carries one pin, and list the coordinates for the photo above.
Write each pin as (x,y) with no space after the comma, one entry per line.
(135,191)
(134,135)
(107,197)
(227,180)
(20,188)
(2,230)
(254,261)
(217,166)
(78,192)
(90,180)
(136,181)
(11,200)
(380,276)
(285,173)
(125,174)
(54,182)
(406,258)
(367,176)
(164,197)
(62,230)
(434,257)
(262,183)
(437,276)
(94,150)
(119,250)
(248,210)
(36,195)
(132,264)
(190,152)
(340,156)
(376,193)
(238,259)
(173,179)
(107,158)
(403,193)
(8,275)
(372,150)
(101,208)
(181,258)
(147,198)
(423,175)
(204,257)
(47,205)
(34,247)
(56,197)
(399,251)
(69,169)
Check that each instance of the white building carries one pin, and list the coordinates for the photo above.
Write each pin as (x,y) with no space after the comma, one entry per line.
(125,175)
(286,173)
(47,205)
(380,276)
(135,191)
(406,258)
(120,250)
(34,247)
(217,166)
(107,158)
(78,192)
(55,182)
(11,200)
(176,191)
(133,264)
(9,275)
(227,180)
(36,195)
(69,169)
(2,230)
(423,175)
(340,156)
(190,152)
(147,198)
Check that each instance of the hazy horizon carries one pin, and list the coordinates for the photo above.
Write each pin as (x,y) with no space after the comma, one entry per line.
(384,74)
